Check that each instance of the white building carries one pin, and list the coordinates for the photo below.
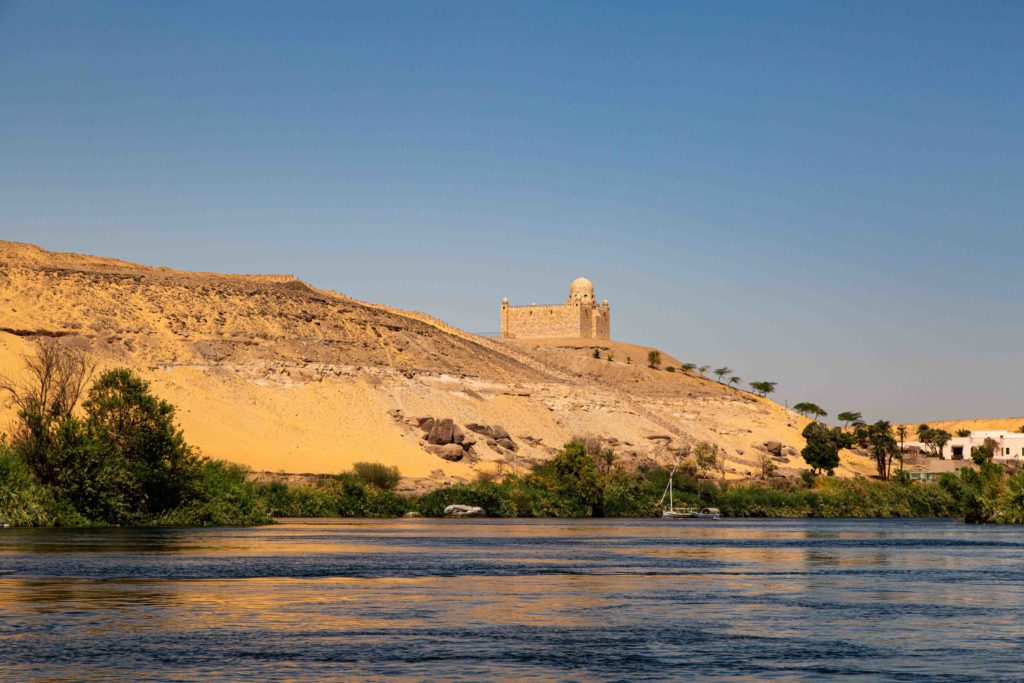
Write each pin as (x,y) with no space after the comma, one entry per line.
(1009,445)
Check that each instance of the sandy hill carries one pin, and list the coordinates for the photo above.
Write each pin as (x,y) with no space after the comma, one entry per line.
(1009,424)
(271,372)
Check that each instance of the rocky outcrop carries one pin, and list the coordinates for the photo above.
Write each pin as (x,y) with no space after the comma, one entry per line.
(451,452)
(464,511)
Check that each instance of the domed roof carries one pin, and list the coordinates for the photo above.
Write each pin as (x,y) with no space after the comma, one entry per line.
(581,290)
(581,283)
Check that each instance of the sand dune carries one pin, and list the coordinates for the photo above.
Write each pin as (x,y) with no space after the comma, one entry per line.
(271,372)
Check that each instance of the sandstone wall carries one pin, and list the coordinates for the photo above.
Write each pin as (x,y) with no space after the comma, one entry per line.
(525,322)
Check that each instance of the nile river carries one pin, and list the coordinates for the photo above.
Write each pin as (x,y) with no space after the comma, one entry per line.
(537,600)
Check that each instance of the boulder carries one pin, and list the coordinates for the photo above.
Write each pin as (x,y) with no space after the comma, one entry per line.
(507,443)
(773,447)
(458,436)
(442,433)
(464,511)
(411,514)
(790,451)
(468,441)
(480,429)
(426,423)
(452,452)
(498,432)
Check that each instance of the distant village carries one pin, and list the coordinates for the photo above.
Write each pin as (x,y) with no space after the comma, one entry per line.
(921,462)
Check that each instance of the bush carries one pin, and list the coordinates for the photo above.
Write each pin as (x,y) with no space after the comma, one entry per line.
(218,495)
(375,474)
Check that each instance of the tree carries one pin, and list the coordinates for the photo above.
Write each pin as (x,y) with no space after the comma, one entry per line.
(808,409)
(146,462)
(921,429)
(766,464)
(722,372)
(704,369)
(986,452)
(822,450)
(936,439)
(575,475)
(1020,430)
(687,368)
(653,359)
(848,416)
(883,446)
(706,457)
(763,388)
(611,357)
(734,380)
(55,379)
(964,432)
(901,432)
(597,353)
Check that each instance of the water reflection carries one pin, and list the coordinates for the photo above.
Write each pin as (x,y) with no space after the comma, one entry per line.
(514,600)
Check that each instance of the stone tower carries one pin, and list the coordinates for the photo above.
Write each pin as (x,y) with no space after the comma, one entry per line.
(580,317)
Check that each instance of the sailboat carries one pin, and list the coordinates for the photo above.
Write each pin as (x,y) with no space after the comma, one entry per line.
(672,512)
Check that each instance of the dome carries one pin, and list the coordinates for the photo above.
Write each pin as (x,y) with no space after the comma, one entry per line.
(581,291)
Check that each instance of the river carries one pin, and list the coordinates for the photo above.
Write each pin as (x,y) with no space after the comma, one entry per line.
(522,600)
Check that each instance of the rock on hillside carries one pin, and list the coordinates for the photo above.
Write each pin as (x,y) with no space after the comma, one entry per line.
(276,374)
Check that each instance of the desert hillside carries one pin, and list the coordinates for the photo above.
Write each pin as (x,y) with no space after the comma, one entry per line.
(271,372)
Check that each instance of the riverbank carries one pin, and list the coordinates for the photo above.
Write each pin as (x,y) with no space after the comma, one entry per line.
(223,496)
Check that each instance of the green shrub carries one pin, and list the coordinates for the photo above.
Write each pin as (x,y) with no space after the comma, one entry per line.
(218,495)
(376,474)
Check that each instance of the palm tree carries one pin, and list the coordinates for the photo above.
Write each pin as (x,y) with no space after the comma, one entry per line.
(722,372)
(882,445)
(703,369)
(687,368)
(901,432)
(734,380)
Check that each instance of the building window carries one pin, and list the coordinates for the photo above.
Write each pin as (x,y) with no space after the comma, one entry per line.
(958,452)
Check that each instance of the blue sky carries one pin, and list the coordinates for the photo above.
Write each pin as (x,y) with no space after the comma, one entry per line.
(828,195)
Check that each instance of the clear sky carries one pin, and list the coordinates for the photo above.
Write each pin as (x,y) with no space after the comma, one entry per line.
(828,195)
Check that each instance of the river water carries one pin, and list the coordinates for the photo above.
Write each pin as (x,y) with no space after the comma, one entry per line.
(524,600)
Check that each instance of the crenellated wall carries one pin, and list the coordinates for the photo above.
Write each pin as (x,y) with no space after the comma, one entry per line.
(571,320)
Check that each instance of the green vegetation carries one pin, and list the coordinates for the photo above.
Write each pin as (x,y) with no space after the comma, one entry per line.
(823,445)
(654,359)
(570,486)
(848,416)
(988,495)
(687,368)
(935,439)
(121,460)
(763,388)
(722,372)
(812,410)
(383,477)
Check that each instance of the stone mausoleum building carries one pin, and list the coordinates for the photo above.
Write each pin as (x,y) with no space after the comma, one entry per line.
(580,317)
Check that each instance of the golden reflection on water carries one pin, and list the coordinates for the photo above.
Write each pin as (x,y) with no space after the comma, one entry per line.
(402,597)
